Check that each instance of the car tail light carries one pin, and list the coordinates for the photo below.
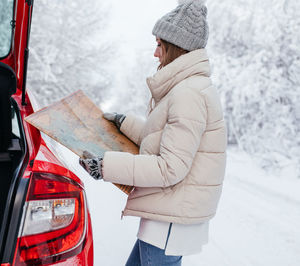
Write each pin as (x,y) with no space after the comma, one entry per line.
(54,221)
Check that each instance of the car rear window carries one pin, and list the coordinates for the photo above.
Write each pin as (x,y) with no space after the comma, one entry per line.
(6,16)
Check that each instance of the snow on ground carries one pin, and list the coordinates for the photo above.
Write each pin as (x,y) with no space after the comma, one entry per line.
(257,223)
(258,218)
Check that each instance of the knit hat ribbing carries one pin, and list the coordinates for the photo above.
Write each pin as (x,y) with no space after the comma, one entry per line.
(185,26)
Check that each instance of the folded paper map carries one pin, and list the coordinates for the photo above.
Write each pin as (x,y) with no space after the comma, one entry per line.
(77,123)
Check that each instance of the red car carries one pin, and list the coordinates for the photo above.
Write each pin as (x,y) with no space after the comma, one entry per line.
(44,218)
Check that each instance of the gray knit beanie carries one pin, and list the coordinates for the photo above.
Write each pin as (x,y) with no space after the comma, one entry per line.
(185,26)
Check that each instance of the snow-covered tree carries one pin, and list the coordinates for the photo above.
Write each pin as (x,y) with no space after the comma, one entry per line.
(129,86)
(255,54)
(6,15)
(68,49)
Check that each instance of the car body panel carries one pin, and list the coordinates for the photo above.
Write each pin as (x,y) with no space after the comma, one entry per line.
(39,157)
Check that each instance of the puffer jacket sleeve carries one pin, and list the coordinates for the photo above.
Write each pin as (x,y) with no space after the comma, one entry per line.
(132,127)
(179,143)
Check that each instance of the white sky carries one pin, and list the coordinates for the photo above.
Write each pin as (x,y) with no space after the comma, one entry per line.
(133,20)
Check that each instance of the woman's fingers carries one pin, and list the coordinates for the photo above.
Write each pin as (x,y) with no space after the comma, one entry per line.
(116,118)
(110,116)
(87,155)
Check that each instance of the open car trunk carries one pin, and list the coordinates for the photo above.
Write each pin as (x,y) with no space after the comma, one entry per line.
(12,147)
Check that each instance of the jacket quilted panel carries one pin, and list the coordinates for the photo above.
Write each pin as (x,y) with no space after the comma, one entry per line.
(179,172)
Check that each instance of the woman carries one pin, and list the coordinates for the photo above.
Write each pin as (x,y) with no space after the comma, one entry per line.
(179,172)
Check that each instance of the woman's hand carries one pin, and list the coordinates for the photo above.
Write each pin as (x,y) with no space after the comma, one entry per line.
(117,119)
(92,164)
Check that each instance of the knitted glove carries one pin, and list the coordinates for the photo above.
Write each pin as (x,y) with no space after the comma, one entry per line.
(117,119)
(92,164)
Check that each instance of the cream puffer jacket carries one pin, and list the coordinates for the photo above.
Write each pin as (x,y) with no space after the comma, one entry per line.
(179,172)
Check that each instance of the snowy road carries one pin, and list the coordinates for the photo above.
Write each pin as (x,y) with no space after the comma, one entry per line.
(257,223)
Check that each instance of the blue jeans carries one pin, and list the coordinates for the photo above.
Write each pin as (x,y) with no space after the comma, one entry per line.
(144,254)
